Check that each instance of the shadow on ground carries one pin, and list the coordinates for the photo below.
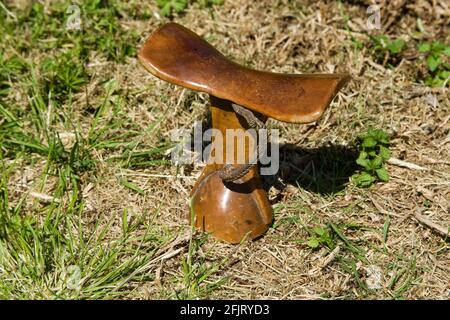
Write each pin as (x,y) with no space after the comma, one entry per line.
(324,170)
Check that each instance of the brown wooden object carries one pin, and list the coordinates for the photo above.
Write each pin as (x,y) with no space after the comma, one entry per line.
(234,208)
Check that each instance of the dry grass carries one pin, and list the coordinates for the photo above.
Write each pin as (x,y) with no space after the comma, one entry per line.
(403,256)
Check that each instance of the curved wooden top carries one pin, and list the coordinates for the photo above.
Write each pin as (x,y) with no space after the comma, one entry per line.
(177,55)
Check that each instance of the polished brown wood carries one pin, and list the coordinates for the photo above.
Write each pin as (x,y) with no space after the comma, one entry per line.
(238,210)
(177,55)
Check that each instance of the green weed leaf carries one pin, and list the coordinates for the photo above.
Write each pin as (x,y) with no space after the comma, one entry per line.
(319,231)
(437,46)
(396,46)
(433,62)
(376,163)
(363,163)
(369,142)
(385,153)
(363,179)
(382,174)
(447,51)
(379,135)
(424,47)
(166,6)
(313,243)
(131,186)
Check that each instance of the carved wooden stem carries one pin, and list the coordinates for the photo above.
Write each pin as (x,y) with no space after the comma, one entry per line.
(231,211)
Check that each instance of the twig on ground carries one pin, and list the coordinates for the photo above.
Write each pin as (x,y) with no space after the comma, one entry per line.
(405,164)
(158,275)
(382,210)
(9,13)
(44,198)
(424,220)
(330,257)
